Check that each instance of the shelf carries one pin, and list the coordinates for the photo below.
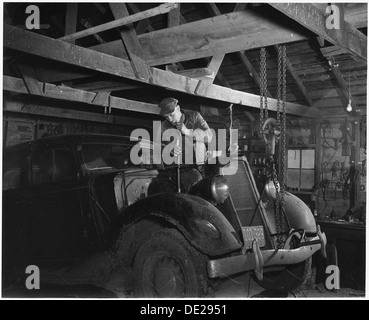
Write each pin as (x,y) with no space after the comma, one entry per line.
(300,192)
(297,146)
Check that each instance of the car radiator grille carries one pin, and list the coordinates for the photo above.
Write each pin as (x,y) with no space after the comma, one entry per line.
(244,194)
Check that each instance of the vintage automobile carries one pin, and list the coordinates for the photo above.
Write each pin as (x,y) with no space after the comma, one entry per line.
(76,207)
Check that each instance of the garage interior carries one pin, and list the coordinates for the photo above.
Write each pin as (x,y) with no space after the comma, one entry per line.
(104,67)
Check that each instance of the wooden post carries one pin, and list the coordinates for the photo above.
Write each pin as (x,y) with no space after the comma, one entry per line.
(164,8)
(71,19)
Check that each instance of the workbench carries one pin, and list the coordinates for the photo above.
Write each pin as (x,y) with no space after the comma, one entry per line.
(346,249)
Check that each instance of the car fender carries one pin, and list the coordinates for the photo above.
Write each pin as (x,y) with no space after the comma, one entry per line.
(299,214)
(201,223)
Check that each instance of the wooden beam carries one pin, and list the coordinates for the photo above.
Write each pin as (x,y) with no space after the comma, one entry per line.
(314,18)
(204,38)
(237,97)
(213,64)
(240,6)
(298,82)
(32,43)
(100,86)
(7,18)
(101,98)
(71,19)
(213,9)
(174,17)
(39,45)
(164,8)
(69,94)
(65,113)
(54,72)
(131,43)
(197,73)
(29,79)
(222,80)
(357,15)
(88,25)
(333,51)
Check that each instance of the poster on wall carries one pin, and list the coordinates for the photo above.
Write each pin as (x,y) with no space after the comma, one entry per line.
(19,131)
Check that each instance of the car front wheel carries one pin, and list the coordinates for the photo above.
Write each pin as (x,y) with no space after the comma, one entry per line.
(166,265)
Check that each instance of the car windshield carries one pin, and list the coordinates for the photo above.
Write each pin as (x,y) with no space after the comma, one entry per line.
(114,155)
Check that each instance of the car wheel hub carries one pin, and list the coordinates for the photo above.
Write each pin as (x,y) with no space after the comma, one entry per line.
(168,278)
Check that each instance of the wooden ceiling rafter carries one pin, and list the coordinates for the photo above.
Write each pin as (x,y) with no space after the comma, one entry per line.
(313,17)
(213,9)
(66,113)
(122,21)
(30,42)
(200,39)
(213,63)
(130,41)
(102,99)
(71,19)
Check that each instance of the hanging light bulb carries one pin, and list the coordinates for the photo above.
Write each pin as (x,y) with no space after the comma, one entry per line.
(349,107)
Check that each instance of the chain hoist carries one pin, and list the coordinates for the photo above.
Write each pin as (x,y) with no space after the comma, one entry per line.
(276,129)
(263,90)
(281,126)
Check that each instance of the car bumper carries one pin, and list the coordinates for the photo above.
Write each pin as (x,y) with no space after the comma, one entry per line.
(257,260)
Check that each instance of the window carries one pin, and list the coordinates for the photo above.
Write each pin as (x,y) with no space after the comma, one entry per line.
(64,165)
(98,156)
(300,169)
(42,167)
(52,166)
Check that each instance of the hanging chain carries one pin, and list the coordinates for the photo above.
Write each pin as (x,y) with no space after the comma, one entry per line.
(279,87)
(281,126)
(263,89)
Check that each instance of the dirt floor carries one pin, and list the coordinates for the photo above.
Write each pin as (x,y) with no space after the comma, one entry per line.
(239,287)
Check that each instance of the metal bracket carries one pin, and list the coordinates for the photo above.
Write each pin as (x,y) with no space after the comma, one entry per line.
(323,249)
(259,261)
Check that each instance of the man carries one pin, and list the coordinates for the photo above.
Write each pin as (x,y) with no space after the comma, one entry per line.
(195,134)
(192,126)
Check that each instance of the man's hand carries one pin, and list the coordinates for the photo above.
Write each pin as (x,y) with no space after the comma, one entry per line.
(181,127)
(177,150)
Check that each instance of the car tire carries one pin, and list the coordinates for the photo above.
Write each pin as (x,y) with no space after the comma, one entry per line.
(166,265)
(288,279)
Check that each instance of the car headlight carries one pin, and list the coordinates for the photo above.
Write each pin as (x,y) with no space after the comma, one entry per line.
(271,190)
(219,189)
(213,188)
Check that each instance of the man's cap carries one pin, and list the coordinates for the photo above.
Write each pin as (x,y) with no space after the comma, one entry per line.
(167,105)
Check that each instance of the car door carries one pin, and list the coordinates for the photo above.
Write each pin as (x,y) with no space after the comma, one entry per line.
(55,224)
(15,177)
